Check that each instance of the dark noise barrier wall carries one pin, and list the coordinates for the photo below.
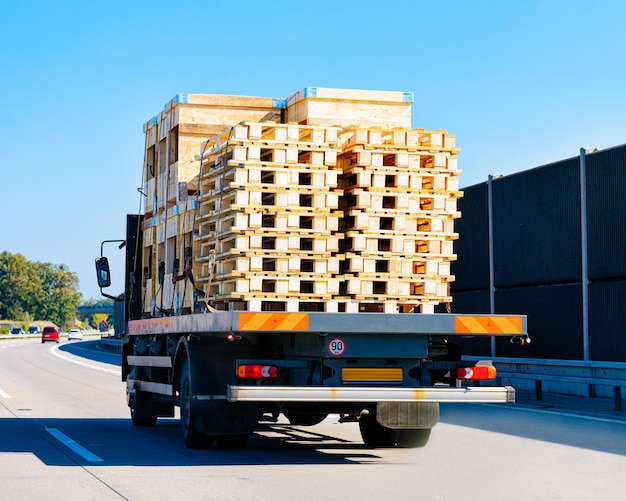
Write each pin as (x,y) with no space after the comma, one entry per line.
(540,265)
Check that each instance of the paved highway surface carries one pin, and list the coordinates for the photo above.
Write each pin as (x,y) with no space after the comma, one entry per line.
(65,433)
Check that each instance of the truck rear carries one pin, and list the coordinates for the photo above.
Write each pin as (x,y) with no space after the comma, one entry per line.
(289,259)
(230,371)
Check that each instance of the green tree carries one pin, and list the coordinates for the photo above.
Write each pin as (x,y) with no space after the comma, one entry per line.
(61,293)
(20,287)
(40,291)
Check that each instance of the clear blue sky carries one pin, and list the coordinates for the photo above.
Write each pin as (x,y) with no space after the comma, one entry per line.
(520,83)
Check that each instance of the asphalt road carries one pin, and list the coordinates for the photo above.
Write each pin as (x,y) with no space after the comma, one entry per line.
(65,433)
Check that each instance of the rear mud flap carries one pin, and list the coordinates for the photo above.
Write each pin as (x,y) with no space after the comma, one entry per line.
(407,415)
(222,417)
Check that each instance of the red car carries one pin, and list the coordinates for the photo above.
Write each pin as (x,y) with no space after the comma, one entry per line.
(50,333)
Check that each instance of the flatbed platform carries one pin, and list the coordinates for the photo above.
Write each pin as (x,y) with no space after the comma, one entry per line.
(335,323)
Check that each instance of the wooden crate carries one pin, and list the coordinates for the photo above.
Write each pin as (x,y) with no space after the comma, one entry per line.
(346,107)
(174,136)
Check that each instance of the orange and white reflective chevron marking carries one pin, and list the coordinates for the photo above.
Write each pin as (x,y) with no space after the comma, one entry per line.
(273,321)
(498,324)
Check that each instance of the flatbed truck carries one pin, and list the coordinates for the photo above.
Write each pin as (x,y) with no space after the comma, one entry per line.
(329,207)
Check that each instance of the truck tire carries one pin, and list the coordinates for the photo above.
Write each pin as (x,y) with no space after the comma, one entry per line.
(138,414)
(142,420)
(192,437)
(376,435)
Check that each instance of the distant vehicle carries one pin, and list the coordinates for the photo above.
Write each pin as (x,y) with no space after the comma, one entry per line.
(50,333)
(17,330)
(74,334)
(33,329)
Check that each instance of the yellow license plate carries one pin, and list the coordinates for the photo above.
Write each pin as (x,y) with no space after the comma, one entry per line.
(374,374)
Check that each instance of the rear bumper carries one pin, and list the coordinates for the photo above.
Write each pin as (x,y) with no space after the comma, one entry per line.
(503,394)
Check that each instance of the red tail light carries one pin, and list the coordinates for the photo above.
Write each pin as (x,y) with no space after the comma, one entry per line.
(477,373)
(257,371)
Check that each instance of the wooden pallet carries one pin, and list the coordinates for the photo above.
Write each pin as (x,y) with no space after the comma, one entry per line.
(394,288)
(286,243)
(242,221)
(388,203)
(248,175)
(399,223)
(398,138)
(334,305)
(293,222)
(398,162)
(286,305)
(371,244)
(298,154)
(277,286)
(403,180)
(396,266)
(268,296)
(269,202)
(380,305)
(280,144)
(313,265)
(272,133)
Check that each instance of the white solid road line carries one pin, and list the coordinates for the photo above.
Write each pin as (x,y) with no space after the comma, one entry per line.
(78,449)
(4,394)
(116,372)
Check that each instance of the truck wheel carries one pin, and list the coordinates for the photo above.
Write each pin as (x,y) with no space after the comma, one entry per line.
(374,434)
(305,419)
(142,420)
(192,437)
(137,412)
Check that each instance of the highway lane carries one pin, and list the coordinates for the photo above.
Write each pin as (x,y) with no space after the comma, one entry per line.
(65,433)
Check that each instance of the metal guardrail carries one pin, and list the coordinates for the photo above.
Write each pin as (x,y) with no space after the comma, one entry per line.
(111,344)
(563,371)
(111,341)
(20,336)
(86,334)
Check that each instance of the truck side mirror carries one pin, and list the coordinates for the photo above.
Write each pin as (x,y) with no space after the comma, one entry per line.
(103,272)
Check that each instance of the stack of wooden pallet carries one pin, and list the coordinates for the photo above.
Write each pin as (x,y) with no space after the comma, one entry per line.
(268,220)
(400,191)
(325,201)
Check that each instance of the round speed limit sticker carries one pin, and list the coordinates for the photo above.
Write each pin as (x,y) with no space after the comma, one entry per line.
(336,347)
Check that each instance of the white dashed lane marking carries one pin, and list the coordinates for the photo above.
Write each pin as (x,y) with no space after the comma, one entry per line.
(77,448)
